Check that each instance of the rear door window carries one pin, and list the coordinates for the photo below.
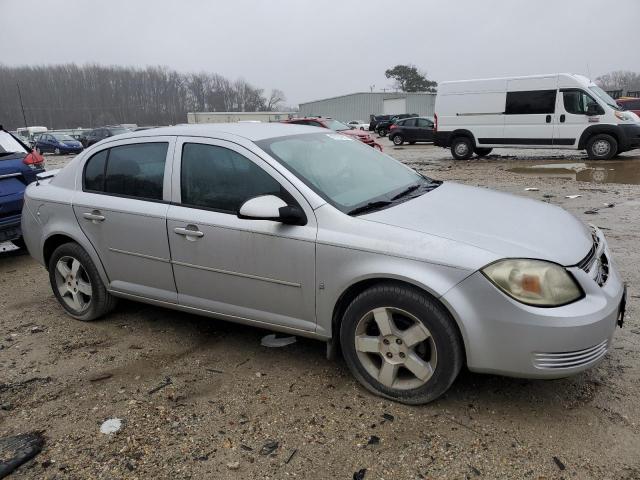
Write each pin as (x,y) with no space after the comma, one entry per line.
(531,102)
(408,123)
(135,171)
(423,123)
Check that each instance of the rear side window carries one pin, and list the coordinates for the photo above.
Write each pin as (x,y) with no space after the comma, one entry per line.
(128,170)
(220,179)
(531,102)
(408,123)
(423,123)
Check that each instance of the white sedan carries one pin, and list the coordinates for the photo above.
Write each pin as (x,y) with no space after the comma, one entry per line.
(358,125)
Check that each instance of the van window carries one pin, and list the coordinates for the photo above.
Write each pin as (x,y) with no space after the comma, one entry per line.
(531,102)
(577,101)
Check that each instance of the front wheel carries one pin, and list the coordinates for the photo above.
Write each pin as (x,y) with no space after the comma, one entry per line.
(77,285)
(482,152)
(57,151)
(401,344)
(602,147)
(462,148)
(382,132)
(397,140)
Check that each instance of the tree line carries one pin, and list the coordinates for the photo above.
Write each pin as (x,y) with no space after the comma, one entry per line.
(620,80)
(69,96)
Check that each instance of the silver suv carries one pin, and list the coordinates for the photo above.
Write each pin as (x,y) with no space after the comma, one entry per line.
(306,231)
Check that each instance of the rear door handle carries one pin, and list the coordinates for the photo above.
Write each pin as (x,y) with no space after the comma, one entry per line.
(94,216)
(548,118)
(562,118)
(189,232)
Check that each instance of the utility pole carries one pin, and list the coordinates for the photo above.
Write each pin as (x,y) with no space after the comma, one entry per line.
(24,117)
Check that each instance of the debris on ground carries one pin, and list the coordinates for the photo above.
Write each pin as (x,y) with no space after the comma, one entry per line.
(572,196)
(388,417)
(100,376)
(233,465)
(213,370)
(475,471)
(166,383)
(293,452)
(359,475)
(269,447)
(18,449)
(593,211)
(110,426)
(373,440)
(559,463)
(37,329)
(274,341)
(531,189)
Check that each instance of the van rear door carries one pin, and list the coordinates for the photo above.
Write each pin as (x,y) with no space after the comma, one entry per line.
(530,111)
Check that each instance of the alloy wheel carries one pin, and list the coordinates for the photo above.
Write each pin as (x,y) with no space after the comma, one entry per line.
(601,148)
(395,348)
(73,284)
(461,149)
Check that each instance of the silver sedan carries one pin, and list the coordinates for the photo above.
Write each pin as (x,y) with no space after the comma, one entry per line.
(303,230)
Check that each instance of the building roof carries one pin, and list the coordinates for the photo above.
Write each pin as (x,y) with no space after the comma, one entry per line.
(241,113)
(391,94)
(249,131)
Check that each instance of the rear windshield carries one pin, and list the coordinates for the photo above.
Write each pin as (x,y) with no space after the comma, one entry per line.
(62,137)
(118,131)
(9,145)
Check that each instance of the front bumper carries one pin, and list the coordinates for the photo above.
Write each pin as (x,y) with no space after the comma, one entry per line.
(629,136)
(506,337)
(10,228)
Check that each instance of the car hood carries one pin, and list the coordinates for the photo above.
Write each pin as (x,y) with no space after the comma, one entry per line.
(504,224)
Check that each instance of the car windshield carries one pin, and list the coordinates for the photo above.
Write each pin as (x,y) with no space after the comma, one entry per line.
(605,97)
(62,137)
(347,173)
(119,130)
(9,145)
(336,126)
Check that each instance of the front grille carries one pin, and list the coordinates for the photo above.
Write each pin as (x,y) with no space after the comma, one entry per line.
(573,359)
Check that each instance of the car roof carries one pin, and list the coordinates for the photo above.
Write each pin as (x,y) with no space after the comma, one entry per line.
(249,131)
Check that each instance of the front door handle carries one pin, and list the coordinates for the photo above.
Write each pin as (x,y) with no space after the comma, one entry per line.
(95,216)
(191,232)
(548,118)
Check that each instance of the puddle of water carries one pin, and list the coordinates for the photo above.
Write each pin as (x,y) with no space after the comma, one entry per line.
(610,171)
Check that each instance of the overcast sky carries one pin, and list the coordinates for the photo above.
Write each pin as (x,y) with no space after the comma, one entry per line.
(315,49)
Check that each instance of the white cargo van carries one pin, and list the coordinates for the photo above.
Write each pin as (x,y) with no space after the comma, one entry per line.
(542,111)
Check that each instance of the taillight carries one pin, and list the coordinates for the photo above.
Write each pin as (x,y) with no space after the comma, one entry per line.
(33,159)
(435,125)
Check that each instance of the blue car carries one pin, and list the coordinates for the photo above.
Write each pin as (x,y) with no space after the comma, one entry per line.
(58,143)
(18,168)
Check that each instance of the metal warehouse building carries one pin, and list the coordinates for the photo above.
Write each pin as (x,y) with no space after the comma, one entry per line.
(359,106)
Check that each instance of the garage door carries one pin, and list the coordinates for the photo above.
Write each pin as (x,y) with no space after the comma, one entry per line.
(392,106)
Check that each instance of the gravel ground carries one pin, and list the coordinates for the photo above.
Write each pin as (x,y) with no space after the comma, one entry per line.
(229,408)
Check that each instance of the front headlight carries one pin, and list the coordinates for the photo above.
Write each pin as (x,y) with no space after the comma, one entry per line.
(624,116)
(534,282)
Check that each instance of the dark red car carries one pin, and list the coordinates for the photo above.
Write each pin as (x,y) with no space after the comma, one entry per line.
(336,126)
(630,104)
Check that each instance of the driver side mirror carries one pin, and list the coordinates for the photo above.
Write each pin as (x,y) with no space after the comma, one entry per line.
(594,109)
(270,207)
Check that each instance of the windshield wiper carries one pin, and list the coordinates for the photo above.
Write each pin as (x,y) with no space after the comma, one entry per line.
(369,207)
(407,191)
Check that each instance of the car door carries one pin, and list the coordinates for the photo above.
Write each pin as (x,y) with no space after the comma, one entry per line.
(406,128)
(529,118)
(247,270)
(121,206)
(424,130)
(572,119)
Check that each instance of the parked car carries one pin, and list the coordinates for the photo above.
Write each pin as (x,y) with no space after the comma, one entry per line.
(412,130)
(58,143)
(97,134)
(629,104)
(311,233)
(358,124)
(383,126)
(336,126)
(373,121)
(19,166)
(561,111)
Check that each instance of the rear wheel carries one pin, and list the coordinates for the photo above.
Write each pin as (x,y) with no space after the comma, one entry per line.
(401,344)
(397,139)
(602,147)
(482,152)
(382,132)
(77,285)
(461,148)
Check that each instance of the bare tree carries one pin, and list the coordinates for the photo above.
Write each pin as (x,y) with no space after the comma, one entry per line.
(275,100)
(619,80)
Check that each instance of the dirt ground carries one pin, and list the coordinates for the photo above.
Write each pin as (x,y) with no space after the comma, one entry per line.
(228,396)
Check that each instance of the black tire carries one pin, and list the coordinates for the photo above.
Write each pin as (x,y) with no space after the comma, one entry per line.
(397,139)
(443,334)
(101,301)
(602,147)
(482,152)
(462,148)
(382,132)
